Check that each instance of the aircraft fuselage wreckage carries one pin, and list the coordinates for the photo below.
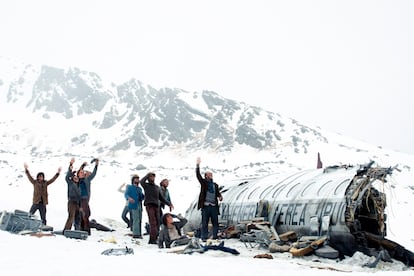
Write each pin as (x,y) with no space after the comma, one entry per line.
(340,202)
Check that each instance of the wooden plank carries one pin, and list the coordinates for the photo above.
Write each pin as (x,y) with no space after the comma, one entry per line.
(298,252)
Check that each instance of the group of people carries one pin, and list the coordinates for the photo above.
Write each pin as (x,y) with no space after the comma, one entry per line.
(154,198)
(164,229)
(135,196)
(79,193)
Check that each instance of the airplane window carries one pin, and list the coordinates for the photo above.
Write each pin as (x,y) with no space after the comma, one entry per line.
(265,190)
(340,186)
(279,189)
(307,188)
(290,192)
(323,186)
(241,193)
(250,195)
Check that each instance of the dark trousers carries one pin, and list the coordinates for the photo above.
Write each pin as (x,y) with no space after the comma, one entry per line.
(154,222)
(85,214)
(42,210)
(207,213)
(73,209)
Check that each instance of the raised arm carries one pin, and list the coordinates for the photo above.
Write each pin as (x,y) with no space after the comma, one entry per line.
(143,181)
(182,220)
(69,172)
(26,170)
(54,177)
(122,189)
(199,177)
(92,175)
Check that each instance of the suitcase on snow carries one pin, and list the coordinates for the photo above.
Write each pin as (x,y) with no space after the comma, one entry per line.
(73,234)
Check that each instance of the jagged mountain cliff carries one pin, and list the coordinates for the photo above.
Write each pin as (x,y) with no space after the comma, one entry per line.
(54,111)
(147,117)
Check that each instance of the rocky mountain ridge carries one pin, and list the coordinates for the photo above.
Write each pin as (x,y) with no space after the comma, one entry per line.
(75,112)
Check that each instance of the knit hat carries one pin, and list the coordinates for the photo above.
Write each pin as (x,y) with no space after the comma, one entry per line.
(133,178)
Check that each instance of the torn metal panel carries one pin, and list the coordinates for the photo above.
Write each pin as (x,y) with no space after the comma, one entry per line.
(19,221)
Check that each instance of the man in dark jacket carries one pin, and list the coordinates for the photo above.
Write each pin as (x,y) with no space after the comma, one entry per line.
(85,179)
(208,201)
(40,195)
(152,200)
(74,195)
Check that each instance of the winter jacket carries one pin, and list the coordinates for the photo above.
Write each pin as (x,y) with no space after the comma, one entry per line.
(153,193)
(166,193)
(40,188)
(135,193)
(73,187)
(164,237)
(85,183)
(203,190)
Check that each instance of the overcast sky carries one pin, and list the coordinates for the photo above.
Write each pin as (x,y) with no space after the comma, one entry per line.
(345,66)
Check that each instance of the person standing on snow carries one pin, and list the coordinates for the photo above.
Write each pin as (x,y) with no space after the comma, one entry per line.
(153,197)
(126,212)
(134,197)
(85,179)
(208,201)
(74,195)
(40,194)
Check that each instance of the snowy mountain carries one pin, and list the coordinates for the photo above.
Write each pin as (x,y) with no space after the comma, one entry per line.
(144,118)
(133,120)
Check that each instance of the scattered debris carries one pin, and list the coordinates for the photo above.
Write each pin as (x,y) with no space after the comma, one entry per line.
(42,234)
(94,224)
(110,240)
(263,256)
(19,221)
(73,234)
(118,251)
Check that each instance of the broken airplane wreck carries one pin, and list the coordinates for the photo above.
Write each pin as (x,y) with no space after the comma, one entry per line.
(338,205)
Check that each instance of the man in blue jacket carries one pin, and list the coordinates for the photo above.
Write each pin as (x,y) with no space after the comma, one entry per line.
(135,196)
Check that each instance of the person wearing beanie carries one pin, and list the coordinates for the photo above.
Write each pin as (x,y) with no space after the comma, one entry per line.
(153,198)
(135,196)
